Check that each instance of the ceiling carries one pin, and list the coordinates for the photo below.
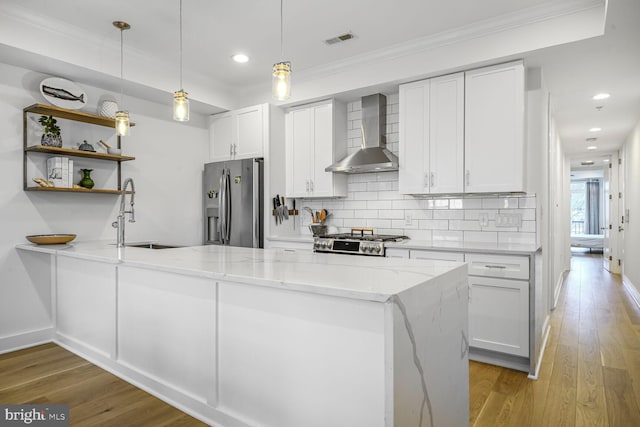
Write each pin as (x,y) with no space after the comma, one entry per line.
(215,30)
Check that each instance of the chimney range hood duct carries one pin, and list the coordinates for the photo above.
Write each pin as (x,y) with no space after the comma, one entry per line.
(374,155)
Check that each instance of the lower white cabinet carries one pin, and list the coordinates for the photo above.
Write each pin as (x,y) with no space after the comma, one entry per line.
(499,315)
(85,297)
(499,310)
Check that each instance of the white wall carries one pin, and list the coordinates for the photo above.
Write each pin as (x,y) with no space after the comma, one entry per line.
(631,197)
(167,174)
(558,261)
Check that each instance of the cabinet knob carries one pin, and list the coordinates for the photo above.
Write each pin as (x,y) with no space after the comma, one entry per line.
(433,179)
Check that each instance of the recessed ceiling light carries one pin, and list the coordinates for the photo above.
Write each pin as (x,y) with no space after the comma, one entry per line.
(605,160)
(601,96)
(595,129)
(592,147)
(240,58)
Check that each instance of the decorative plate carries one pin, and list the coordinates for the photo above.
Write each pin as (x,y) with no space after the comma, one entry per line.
(63,93)
(50,239)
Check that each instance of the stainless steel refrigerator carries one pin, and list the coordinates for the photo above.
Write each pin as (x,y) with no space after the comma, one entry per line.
(234,203)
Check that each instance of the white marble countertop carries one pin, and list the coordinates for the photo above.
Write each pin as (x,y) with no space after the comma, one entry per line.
(358,277)
(457,246)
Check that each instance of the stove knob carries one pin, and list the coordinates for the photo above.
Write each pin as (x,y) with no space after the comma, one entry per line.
(377,249)
(316,245)
(325,244)
(366,248)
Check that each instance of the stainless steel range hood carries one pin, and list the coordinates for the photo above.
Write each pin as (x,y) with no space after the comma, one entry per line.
(374,155)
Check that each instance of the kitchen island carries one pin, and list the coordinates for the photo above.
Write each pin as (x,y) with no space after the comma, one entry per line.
(249,337)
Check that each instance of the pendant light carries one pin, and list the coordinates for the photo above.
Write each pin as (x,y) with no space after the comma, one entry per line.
(281,81)
(180,100)
(122,116)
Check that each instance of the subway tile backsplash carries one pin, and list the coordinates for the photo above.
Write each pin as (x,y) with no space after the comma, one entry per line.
(373,201)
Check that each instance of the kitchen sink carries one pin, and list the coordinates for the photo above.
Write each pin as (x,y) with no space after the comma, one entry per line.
(150,246)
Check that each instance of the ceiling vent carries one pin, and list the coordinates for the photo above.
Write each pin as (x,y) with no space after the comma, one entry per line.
(339,39)
(587,163)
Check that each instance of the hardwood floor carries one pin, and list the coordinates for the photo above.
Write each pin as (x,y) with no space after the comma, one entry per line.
(50,374)
(590,374)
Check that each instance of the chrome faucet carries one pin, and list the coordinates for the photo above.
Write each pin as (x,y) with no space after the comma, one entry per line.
(119,222)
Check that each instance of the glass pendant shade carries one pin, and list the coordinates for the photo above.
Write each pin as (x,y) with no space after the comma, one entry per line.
(180,106)
(281,81)
(122,123)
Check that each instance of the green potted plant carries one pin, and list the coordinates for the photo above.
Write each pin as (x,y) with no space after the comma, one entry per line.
(51,136)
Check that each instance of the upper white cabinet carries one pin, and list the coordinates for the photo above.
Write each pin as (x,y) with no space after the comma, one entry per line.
(432,136)
(494,129)
(464,132)
(315,138)
(238,134)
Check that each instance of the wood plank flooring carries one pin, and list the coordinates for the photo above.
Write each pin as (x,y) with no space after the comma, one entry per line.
(590,374)
(50,374)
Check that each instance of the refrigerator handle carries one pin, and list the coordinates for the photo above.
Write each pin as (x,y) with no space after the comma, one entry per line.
(222,209)
(256,204)
(227,205)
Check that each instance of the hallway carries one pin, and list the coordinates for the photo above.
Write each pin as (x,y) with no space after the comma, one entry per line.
(590,374)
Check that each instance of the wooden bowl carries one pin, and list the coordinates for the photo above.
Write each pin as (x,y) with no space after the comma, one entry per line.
(50,239)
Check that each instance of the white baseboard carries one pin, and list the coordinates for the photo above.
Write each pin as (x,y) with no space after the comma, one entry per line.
(633,291)
(546,329)
(25,340)
(558,287)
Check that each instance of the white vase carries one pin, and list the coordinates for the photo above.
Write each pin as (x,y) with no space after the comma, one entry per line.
(108,109)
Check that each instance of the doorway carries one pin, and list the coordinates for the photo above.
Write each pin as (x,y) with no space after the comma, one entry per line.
(594,208)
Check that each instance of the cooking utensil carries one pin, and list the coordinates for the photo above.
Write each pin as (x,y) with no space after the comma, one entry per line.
(285,210)
(308,209)
(275,209)
(323,215)
(279,208)
(318,229)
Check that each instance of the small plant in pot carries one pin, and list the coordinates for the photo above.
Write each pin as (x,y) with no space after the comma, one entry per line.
(51,136)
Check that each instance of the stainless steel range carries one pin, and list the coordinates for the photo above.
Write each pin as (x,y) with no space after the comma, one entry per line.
(355,243)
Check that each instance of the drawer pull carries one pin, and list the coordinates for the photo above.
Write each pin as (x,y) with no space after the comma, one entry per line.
(495,266)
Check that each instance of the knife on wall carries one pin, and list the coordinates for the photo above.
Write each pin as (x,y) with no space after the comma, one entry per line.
(275,209)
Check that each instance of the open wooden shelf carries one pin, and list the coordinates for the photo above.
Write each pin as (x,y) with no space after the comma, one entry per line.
(74,190)
(75,116)
(78,153)
(78,116)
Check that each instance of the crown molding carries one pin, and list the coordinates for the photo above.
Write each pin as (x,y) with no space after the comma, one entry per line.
(523,18)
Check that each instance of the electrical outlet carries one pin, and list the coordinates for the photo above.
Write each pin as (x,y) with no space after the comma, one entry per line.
(484,220)
(508,220)
(407,219)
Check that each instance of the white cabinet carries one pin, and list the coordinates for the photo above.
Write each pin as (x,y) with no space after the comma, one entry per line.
(494,129)
(432,136)
(499,303)
(499,310)
(238,134)
(315,138)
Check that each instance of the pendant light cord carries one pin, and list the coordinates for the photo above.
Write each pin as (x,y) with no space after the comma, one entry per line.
(121,66)
(181,45)
(281,32)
